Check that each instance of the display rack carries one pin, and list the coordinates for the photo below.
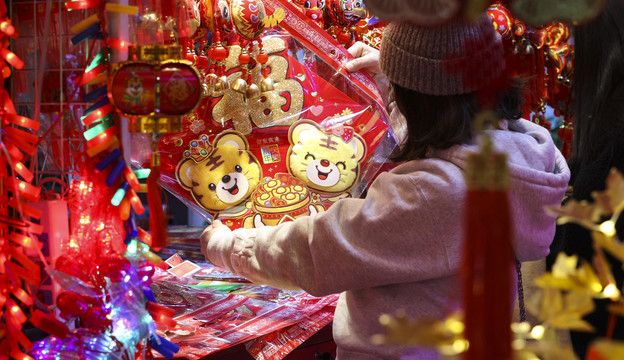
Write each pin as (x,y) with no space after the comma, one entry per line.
(42,89)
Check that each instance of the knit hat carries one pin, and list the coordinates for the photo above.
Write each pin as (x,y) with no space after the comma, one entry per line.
(454,58)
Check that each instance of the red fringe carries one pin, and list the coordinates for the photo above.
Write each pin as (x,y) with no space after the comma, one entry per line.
(487,264)
(157,217)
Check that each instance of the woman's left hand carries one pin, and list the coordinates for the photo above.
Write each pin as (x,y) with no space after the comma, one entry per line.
(209,232)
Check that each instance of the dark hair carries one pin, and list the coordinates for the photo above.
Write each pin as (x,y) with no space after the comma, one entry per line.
(598,85)
(439,122)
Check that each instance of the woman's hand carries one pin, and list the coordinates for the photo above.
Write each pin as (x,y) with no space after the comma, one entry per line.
(366,57)
(208,233)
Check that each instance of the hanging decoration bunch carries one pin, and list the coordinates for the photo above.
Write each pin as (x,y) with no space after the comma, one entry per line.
(238,23)
(541,52)
(106,308)
(106,296)
(110,308)
(18,218)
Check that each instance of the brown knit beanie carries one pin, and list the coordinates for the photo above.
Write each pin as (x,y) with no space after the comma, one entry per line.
(454,58)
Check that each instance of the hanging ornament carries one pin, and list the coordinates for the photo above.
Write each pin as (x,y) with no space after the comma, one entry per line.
(372,33)
(341,18)
(249,20)
(544,55)
(155,86)
(487,252)
(565,134)
(217,53)
(240,84)
(267,83)
(313,9)
(502,20)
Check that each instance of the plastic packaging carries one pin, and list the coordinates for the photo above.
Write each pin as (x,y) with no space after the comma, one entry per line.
(209,320)
(278,344)
(320,135)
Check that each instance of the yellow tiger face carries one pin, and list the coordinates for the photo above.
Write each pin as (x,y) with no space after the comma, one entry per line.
(225,177)
(324,161)
(134,86)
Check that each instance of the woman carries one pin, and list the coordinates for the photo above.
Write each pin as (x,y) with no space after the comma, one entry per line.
(400,247)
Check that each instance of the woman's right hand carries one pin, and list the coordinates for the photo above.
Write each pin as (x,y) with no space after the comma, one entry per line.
(366,58)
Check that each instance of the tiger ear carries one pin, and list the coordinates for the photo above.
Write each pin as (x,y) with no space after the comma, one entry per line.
(359,146)
(302,131)
(182,173)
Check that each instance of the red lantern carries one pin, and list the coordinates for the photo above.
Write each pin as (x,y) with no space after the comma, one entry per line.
(169,88)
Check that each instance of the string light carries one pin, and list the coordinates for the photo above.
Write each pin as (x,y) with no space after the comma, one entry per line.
(99,148)
(84,24)
(131,178)
(21,239)
(136,203)
(11,58)
(98,129)
(16,311)
(142,173)
(81,5)
(23,171)
(26,190)
(121,9)
(7,28)
(538,332)
(24,122)
(608,228)
(611,291)
(120,193)
(23,296)
(103,113)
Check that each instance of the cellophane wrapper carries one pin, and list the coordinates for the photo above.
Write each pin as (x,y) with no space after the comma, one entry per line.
(320,135)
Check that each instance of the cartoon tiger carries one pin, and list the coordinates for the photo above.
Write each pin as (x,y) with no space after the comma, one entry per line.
(328,162)
(221,175)
(134,94)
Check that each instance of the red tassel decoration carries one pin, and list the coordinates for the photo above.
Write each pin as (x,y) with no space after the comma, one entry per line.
(154,202)
(487,257)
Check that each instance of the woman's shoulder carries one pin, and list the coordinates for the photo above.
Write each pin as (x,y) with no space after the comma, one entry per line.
(432,171)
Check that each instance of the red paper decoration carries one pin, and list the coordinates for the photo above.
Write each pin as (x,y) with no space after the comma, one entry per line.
(17,229)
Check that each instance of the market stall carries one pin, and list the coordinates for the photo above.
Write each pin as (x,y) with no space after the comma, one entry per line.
(243,112)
